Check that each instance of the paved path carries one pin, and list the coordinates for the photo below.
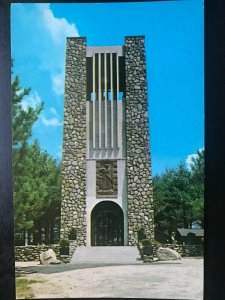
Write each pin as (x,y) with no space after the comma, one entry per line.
(106,254)
(181,279)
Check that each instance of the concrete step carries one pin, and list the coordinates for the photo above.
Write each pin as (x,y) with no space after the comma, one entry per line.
(106,254)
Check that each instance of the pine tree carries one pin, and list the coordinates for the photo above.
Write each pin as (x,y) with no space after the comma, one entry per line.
(198,180)
(23,120)
(179,196)
(37,184)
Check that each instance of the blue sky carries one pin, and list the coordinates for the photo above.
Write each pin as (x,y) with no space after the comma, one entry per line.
(175,66)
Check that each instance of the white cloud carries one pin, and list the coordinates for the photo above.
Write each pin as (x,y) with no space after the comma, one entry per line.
(189,159)
(58,83)
(50,122)
(54,112)
(39,37)
(59,153)
(31,100)
(58,28)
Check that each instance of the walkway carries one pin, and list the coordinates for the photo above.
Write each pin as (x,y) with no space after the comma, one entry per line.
(181,279)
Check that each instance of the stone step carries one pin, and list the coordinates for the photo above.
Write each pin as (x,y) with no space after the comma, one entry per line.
(106,254)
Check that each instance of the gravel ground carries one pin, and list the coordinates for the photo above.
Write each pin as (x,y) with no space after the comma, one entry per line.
(181,279)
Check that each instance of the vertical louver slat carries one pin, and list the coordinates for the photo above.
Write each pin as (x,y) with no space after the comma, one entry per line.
(117,77)
(103,124)
(96,124)
(106,101)
(103,89)
(115,124)
(90,125)
(111,87)
(109,123)
(99,99)
(93,104)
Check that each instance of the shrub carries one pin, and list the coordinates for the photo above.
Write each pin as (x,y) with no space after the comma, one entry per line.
(146,242)
(64,243)
(147,247)
(141,234)
(73,234)
(64,247)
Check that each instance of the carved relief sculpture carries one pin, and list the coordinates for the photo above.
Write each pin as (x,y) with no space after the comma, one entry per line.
(106,178)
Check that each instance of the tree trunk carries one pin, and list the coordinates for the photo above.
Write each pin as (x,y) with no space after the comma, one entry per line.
(26,237)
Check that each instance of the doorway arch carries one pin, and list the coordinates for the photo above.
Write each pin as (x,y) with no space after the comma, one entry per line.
(107,224)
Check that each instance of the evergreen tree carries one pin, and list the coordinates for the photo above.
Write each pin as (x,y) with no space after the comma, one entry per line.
(36,190)
(179,196)
(23,120)
(37,183)
(198,180)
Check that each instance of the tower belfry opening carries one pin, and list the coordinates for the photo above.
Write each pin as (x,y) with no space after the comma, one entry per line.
(105,88)
(106,165)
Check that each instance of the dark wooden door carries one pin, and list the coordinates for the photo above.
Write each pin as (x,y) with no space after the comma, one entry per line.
(107,227)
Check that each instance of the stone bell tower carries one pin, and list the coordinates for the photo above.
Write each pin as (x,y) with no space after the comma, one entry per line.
(106,166)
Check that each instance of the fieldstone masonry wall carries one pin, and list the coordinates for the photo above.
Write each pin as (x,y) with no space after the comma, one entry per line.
(139,183)
(187,250)
(32,252)
(73,208)
(140,194)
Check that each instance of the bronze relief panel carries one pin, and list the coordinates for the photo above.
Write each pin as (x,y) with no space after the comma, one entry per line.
(106,178)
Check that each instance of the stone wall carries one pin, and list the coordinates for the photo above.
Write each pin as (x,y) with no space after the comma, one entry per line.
(140,192)
(187,250)
(31,252)
(73,246)
(73,208)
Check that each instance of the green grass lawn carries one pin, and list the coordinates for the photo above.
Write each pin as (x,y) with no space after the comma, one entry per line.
(23,287)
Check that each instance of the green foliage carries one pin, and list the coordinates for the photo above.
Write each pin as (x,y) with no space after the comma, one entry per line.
(141,233)
(37,182)
(146,243)
(64,247)
(179,195)
(23,288)
(64,243)
(36,186)
(73,234)
(73,230)
(198,179)
(23,120)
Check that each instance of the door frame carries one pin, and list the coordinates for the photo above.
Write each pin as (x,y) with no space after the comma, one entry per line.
(104,207)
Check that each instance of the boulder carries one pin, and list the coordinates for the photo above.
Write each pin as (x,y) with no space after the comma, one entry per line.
(55,262)
(167,254)
(47,257)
